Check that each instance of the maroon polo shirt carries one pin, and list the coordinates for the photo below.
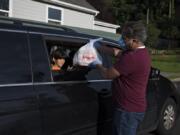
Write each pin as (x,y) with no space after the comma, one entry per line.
(129,89)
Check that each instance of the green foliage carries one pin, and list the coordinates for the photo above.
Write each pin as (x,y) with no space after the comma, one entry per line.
(169,28)
(171,32)
(153,34)
(123,10)
(159,15)
(137,9)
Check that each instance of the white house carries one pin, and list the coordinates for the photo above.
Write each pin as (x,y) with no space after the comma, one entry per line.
(74,13)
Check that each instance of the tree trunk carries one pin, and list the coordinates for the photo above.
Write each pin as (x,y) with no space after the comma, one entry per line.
(170,8)
(147,17)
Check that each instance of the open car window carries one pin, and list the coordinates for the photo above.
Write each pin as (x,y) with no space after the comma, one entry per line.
(67,71)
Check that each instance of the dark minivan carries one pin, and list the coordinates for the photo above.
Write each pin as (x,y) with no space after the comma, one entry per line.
(34,100)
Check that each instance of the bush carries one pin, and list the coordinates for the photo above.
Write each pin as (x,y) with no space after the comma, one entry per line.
(153,35)
(169,29)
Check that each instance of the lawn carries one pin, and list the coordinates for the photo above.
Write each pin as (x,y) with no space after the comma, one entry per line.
(168,64)
(173,67)
(166,58)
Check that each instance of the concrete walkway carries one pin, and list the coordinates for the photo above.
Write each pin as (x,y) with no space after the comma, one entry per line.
(169,75)
(176,80)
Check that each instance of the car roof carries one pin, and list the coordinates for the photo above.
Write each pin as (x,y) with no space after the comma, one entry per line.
(14,24)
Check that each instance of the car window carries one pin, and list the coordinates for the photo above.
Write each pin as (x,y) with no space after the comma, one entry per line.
(14,58)
(67,71)
(40,64)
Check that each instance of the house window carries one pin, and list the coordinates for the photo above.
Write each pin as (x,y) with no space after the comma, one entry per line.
(54,15)
(4,8)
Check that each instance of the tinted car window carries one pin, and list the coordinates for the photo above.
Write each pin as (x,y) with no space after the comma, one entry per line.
(15,66)
(40,63)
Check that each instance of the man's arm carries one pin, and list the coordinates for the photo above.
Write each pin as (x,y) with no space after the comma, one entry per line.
(110,50)
(108,73)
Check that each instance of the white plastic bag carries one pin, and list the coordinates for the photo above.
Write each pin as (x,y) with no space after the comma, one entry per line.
(87,54)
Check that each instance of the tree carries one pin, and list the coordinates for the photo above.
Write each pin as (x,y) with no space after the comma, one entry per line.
(153,34)
(124,10)
(105,8)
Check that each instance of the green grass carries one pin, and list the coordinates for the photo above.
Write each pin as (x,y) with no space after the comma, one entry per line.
(172,67)
(168,64)
(166,58)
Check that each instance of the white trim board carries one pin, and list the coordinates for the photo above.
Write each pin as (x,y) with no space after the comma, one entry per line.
(76,7)
(68,5)
(105,24)
(10,8)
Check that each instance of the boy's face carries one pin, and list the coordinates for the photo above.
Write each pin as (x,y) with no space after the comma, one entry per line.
(60,62)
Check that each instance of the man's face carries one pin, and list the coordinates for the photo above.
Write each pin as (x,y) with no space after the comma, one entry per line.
(128,42)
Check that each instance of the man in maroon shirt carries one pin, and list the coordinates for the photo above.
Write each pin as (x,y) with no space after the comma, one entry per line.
(130,76)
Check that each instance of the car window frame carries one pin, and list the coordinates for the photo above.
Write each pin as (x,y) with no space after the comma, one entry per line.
(70,39)
(28,58)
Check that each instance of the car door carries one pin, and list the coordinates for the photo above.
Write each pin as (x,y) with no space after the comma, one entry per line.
(103,89)
(19,112)
(68,106)
(153,99)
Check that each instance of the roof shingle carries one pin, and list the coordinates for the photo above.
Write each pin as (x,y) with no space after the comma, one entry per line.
(82,3)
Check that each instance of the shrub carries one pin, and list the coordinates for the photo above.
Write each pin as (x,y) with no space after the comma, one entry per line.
(153,35)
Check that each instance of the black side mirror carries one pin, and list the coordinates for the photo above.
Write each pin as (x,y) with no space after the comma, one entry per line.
(154,74)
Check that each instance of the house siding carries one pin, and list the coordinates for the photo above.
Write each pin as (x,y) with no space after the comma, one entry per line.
(27,9)
(78,19)
(33,10)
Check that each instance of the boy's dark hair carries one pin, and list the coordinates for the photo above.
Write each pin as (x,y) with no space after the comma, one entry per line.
(59,54)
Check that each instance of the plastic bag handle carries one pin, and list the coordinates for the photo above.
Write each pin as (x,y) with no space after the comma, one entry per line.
(95,40)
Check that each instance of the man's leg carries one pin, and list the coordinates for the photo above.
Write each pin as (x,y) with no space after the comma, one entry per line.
(126,123)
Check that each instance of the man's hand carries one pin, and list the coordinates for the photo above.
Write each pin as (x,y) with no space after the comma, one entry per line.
(122,43)
(95,63)
(96,42)
(107,73)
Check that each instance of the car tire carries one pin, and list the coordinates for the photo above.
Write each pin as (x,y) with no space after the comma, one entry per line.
(168,116)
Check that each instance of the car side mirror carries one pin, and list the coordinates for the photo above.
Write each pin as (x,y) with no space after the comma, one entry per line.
(154,74)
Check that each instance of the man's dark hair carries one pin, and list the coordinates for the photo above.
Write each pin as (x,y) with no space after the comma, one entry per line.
(135,29)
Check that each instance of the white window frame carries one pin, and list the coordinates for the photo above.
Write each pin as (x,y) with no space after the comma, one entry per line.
(8,11)
(54,20)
